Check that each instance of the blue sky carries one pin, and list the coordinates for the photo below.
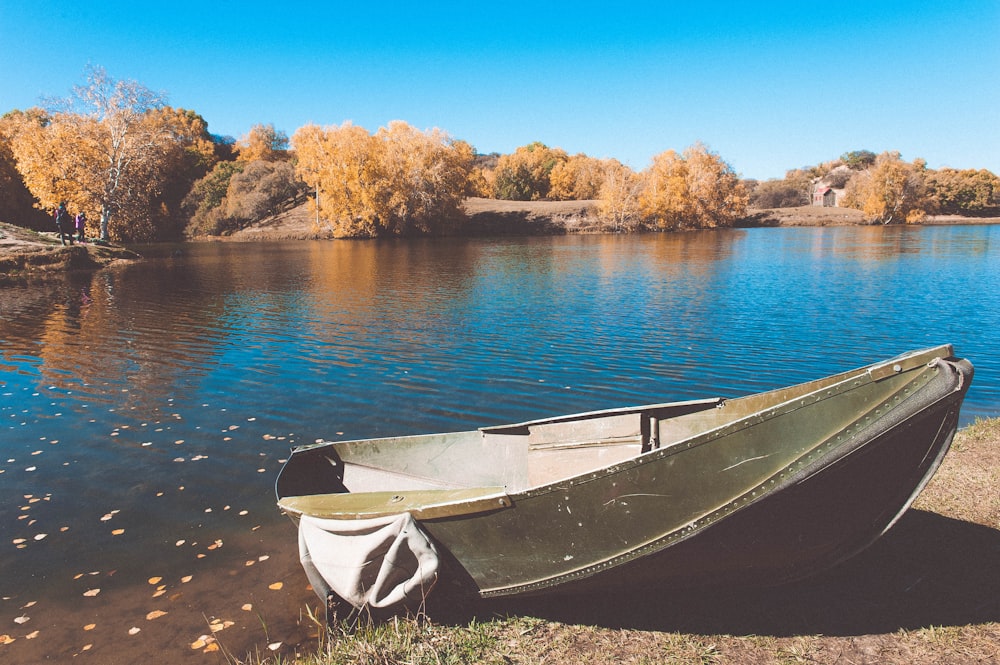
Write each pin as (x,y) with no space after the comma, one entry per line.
(768,86)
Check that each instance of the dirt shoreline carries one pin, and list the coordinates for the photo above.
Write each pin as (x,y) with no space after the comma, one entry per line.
(26,254)
(491,217)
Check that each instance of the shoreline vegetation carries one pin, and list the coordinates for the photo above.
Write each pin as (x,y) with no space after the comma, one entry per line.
(495,217)
(927,592)
(27,254)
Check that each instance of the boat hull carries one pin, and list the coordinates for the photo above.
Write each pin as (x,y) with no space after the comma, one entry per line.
(761,490)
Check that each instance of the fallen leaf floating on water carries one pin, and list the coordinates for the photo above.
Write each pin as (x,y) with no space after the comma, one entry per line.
(274,646)
(30,604)
(186,579)
(41,536)
(155,614)
(90,626)
(32,635)
(154,580)
(117,532)
(134,630)
(90,593)
(22,620)
(276,586)
(213,646)
(6,639)
(247,607)
(202,642)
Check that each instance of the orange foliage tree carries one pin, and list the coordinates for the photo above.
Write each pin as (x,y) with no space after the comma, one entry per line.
(396,182)
(112,147)
(262,142)
(618,199)
(578,178)
(696,189)
(891,191)
(964,191)
(524,174)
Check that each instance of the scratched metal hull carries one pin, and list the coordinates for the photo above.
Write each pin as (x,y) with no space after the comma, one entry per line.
(763,489)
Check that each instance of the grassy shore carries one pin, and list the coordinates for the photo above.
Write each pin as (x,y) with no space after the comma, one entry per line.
(927,592)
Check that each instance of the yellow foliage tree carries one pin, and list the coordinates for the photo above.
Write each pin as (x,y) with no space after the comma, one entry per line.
(395,182)
(666,198)
(619,196)
(891,191)
(524,174)
(696,189)
(578,178)
(112,148)
(262,142)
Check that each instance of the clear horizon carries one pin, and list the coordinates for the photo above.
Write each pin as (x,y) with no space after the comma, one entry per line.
(768,86)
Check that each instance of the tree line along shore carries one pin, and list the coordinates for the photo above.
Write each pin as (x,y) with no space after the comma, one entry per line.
(143,171)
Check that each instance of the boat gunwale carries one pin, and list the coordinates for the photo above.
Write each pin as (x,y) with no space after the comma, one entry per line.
(875,371)
(851,379)
(797,472)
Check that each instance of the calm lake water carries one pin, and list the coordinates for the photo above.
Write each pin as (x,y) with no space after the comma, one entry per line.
(145,411)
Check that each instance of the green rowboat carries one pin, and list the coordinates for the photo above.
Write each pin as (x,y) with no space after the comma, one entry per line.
(763,489)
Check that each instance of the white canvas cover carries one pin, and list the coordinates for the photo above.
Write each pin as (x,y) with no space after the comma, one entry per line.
(378,563)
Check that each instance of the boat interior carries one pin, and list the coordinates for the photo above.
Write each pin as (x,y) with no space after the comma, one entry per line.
(516,458)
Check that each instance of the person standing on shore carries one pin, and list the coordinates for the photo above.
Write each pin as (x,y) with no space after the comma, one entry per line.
(64,223)
(81,224)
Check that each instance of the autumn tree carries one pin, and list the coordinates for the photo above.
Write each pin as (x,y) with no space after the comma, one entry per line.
(891,191)
(263,142)
(189,153)
(696,189)
(482,173)
(777,194)
(524,174)
(578,178)
(396,182)
(964,191)
(205,202)
(618,205)
(109,148)
(17,205)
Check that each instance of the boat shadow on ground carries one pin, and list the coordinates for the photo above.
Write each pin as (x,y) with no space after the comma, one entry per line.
(929,570)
